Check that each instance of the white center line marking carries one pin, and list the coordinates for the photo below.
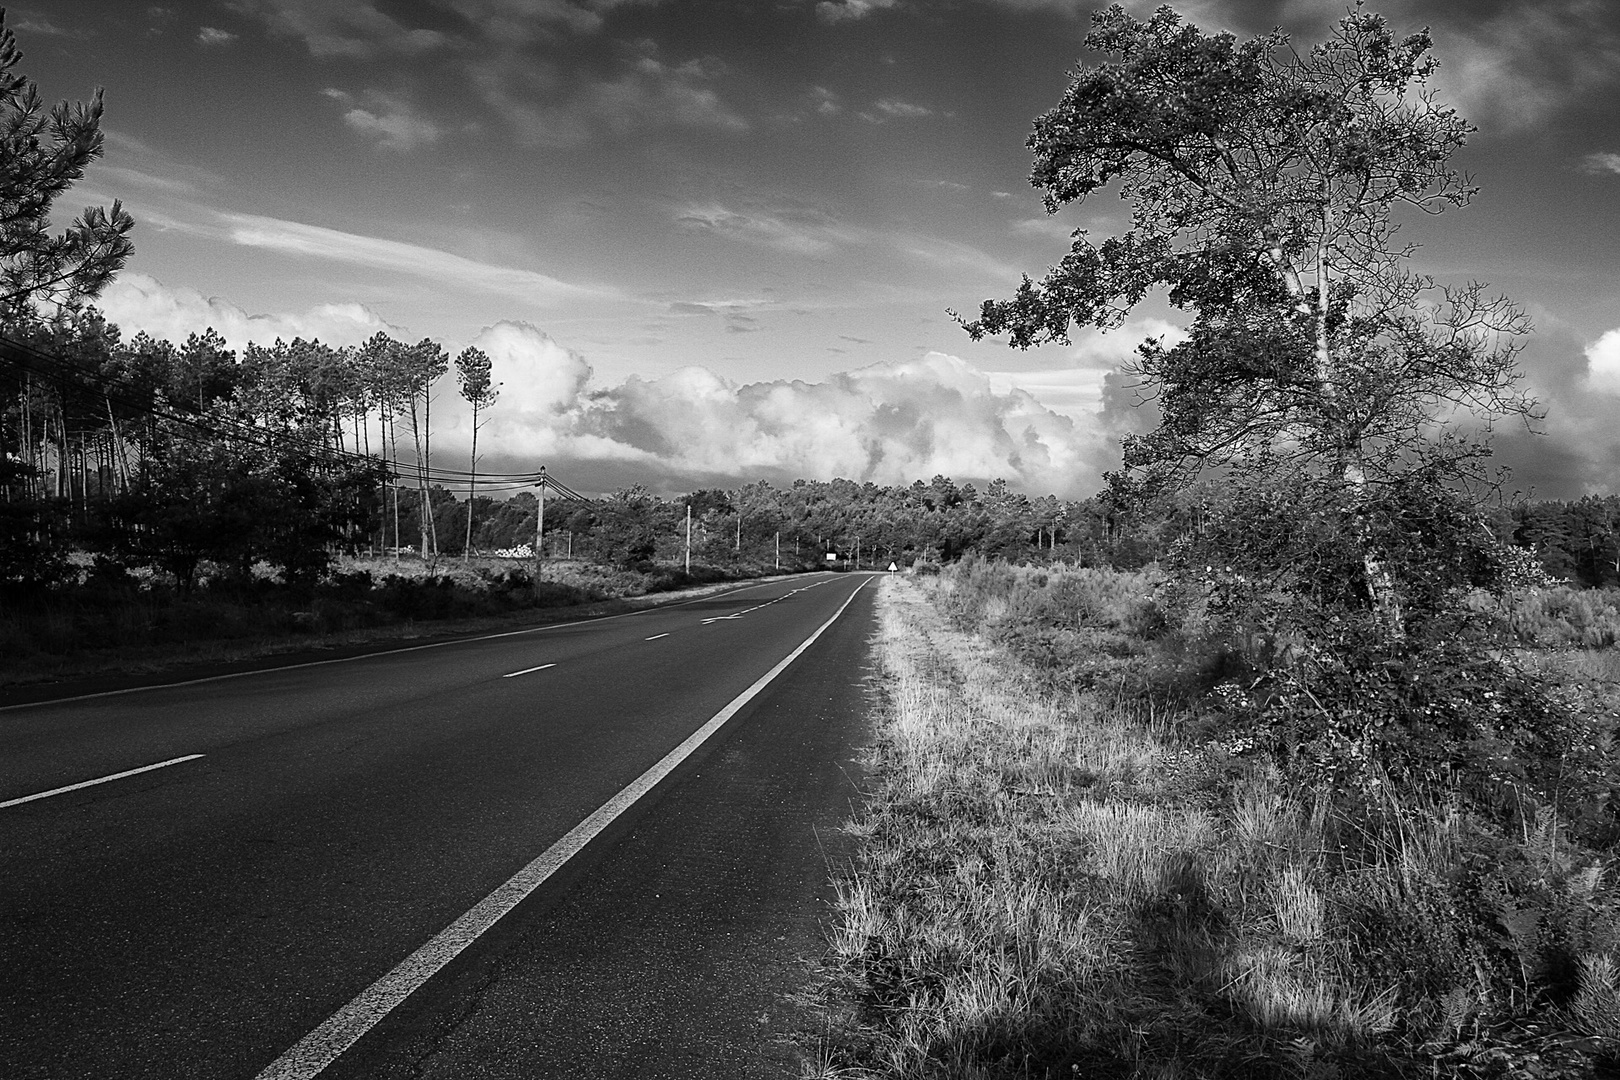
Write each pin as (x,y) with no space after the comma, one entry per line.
(655,637)
(756,607)
(310,1056)
(385,652)
(98,780)
(525,671)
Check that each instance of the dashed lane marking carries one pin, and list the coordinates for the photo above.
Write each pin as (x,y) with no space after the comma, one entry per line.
(310,1056)
(97,780)
(525,671)
(372,655)
(756,607)
(655,637)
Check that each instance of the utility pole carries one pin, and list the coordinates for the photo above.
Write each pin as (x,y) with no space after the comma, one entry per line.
(688,537)
(779,549)
(540,519)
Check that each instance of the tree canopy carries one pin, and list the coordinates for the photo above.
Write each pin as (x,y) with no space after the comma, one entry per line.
(42,154)
(1266,190)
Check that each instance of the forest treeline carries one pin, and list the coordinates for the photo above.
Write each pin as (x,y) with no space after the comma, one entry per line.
(144,451)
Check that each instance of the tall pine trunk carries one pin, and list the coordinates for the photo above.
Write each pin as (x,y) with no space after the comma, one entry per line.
(472,485)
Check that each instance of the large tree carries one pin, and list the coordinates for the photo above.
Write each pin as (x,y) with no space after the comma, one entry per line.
(1267,190)
(41,155)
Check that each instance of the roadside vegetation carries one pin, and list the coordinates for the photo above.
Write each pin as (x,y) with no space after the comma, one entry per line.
(1330,789)
(1089,854)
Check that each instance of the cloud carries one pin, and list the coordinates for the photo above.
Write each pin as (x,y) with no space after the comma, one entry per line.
(902,110)
(523,21)
(341,28)
(1044,227)
(1521,64)
(1603,363)
(37,25)
(313,241)
(1601,163)
(1505,65)
(799,230)
(390,120)
(825,102)
(1078,380)
(138,302)
(646,93)
(892,422)
(124,177)
(213,36)
(834,11)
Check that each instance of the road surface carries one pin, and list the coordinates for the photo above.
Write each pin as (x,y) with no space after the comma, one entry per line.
(513,856)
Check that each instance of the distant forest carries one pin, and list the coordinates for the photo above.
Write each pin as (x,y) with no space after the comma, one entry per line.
(146,451)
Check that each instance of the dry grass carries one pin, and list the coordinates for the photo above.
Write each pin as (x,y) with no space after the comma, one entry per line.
(1052,884)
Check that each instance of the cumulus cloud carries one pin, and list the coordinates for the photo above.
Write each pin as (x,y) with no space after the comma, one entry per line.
(892,422)
(389,119)
(1084,381)
(1603,363)
(138,302)
(1602,163)
(212,35)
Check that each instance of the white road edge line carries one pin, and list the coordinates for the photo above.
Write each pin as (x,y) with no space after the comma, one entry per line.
(655,637)
(384,652)
(525,671)
(97,780)
(310,1056)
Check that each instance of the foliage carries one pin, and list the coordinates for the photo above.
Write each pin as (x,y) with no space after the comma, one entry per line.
(1264,187)
(215,501)
(45,154)
(1063,877)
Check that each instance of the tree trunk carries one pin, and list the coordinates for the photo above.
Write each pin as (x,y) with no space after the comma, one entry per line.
(472,485)
(427,463)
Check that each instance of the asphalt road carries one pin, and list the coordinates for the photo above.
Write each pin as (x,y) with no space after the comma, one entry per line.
(203,918)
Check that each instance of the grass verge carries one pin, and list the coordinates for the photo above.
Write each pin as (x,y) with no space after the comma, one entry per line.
(1059,876)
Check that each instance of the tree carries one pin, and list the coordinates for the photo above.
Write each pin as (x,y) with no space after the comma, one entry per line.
(1265,189)
(421,366)
(382,368)
(43,155)
(473,378)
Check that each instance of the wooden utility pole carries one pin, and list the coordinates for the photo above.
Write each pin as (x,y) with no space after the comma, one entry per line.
(540,519)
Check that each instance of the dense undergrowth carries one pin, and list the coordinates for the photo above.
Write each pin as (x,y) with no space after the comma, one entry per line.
(1088,855)
(115,613)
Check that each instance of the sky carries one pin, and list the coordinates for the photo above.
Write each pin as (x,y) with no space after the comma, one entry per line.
(713,241)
